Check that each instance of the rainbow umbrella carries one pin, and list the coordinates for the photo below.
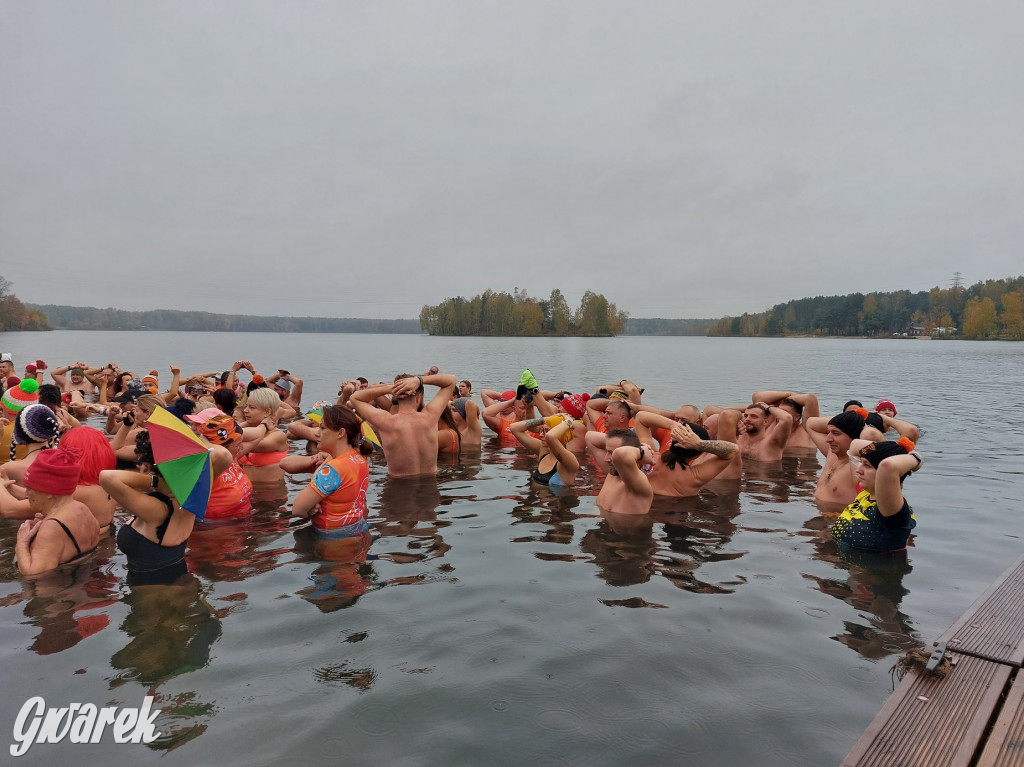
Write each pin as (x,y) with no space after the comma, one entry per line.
(184,461)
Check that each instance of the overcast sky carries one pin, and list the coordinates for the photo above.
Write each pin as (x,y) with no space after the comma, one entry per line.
(361,159)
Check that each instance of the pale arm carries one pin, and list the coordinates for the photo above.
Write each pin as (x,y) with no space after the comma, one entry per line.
(519,430)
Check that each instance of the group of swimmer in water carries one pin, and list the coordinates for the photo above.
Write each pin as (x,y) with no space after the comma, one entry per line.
(64,472)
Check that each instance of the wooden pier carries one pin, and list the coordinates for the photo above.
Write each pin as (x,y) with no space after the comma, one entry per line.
(972,717)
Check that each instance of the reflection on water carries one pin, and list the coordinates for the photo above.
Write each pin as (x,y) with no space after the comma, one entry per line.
(758,629)
(172,629)
(697,530)
(66,605)
(873,585)
(343,576)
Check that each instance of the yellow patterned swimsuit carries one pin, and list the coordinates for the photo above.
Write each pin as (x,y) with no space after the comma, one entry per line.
(862,526)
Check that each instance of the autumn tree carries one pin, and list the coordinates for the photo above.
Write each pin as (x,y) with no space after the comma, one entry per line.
(980,318)
(1012,317)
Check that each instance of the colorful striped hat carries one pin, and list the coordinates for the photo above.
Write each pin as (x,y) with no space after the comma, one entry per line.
(18,397)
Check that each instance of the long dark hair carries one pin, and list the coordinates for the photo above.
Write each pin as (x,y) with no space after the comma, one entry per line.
(677,454)
(449,421)
(342,419)
(144,451)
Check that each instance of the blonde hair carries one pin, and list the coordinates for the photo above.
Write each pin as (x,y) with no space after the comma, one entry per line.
(265,398)
(149,402)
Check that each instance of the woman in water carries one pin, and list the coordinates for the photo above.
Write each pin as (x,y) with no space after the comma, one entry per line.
(50,481)
(556,466)
(449,439)
(879,519)
(154,540)
(93,454)
(336,496)
(263,444)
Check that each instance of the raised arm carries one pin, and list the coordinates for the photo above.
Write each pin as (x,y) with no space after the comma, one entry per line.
(520,430)
(129,488)
(58,375)
(544,407)
(446,384)
(905,428)
(362,402)
(771,396)
(816,429)
(781,427)
(558,449)
(492,414)
(647,422)
(888,489)
(627,460)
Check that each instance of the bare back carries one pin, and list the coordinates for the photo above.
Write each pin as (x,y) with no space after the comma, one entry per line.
(410,443)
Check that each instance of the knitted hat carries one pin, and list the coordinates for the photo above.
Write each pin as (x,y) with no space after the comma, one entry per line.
(460,405)
(151,384)
(883,404)
(849,423)
(575,404)
(54,471)
(36,423)
(19,396)
(284,383)
(877,452)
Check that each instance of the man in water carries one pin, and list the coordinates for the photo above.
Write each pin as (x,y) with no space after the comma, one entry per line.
(6,369)
(409,433)
(289,389)
(72,378)
(766,429)
(626,489)
(799,406)
(836,483)
(465,388)
(607,413)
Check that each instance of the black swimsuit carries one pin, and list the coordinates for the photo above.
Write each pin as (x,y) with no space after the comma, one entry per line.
(150,562)
(78,549)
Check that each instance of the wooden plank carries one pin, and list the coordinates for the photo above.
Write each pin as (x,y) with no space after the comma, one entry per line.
(1005,746)
(992,628)
(933,722)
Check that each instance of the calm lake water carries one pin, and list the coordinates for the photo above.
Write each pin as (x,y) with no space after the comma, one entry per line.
(494,623)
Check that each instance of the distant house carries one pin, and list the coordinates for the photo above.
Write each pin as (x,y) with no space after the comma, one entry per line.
(944,331)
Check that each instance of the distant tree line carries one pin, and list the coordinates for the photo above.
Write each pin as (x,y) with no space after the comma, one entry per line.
(14,315)
(986,310)
(91,318)
(517,314)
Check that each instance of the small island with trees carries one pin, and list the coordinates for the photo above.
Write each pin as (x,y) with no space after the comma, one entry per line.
(502,314)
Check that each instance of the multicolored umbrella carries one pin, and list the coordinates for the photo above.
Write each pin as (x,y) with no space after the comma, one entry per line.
(184,461)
